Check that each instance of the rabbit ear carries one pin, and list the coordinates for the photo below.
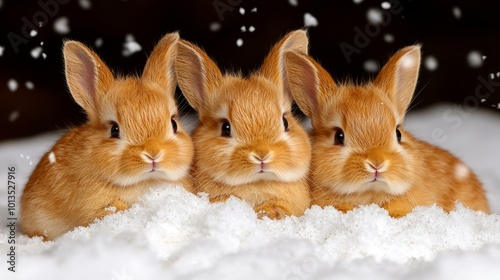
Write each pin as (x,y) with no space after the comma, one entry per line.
(197,74)
(87,76)
(273,67)
(309,83)
(160,67)
(399,77)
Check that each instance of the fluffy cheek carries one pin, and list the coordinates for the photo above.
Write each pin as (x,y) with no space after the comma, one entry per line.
(326,166)
(293,156)
(212,156)
(178,154)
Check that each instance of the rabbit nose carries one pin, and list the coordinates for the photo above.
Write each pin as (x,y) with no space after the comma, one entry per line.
(152,150)
(376,161)
(260,156)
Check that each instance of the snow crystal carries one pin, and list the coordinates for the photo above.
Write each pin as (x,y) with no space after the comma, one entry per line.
(13,116)
(130,46)
(388,38)
(374,15)
(35,53)
(61,26)
(254,10)
(242,11)
(243,29)
(12,85)
(29,85)
(474,58)
(310,20)
(98,42)
(294,3)
(385,5)
(357,1)
(239,42)
(251,28)
(44,55)
(1,50)
(370,66)
(41,43)
(214,26)
(431,63)
(492,76)
(457,13)
(33,33)
(85,4)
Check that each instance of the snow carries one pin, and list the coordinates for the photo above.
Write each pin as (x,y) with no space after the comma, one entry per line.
(310,20)
(130,46)
(431,63)
(357,1)
(457,13)
(172,234)
(239,42)
(374,15)
(294,3)
(33,33)
(253,10)
(85,4)
(475,59)
(61,26)
(388,38)
(242,11)
(370,66)
(214,26)
(251,28)
(36,51)
(243,29)
(98,42)
(1,50)
(385,5)
(29,85)
(12,85)
(52,157)
(13,116)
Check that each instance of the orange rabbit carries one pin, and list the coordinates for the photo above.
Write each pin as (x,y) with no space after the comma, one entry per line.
(247,144)
(131,141)
(362,154)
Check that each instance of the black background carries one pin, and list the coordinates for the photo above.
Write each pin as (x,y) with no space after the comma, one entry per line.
(49,105)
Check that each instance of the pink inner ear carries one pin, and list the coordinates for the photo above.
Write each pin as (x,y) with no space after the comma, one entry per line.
(309,81)
(88,76)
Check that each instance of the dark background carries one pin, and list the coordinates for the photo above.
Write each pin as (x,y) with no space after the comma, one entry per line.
(49,105)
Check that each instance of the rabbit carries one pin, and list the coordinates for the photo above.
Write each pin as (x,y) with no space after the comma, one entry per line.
(132,141)
(361,152)
(247,143)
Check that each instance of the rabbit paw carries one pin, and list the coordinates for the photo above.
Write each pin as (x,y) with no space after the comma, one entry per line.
(275,210)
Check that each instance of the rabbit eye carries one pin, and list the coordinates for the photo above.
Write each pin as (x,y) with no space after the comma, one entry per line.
(226,129)
(174,125)
(115,130)
(285,123)
(398,135)
(339,136)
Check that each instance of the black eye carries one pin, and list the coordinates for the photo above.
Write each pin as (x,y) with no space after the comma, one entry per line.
(339,136)
(398,135)
(174,125)
(285,123)
(115,130)
(226,129)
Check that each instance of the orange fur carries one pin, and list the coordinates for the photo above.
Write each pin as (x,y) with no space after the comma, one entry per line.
(93,171)
(408,173)
(254,108)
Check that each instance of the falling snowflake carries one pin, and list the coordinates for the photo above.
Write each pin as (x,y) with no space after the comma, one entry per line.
(310,20)
(1,49)
(35,53)
(242,11)
(98,42)
(33,33)
(130,46)
(12,85)
(251,29)
(457,13)
(388,38)
(29,85)
(374,15)
(13,116)
(385,5)
(474,58)
(431,63)
(243,29)
(293,2)
(52,157)
(61,26)
(85,4)
(370,66)
(239,42)
(214,26)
